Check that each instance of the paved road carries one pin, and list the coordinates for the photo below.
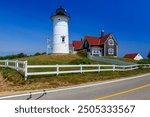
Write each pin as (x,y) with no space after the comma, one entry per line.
(133,88)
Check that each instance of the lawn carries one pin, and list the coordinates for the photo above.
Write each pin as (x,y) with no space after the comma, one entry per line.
(58,59)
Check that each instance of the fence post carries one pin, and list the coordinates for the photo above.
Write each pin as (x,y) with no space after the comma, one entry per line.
(114,68)
(16,65)
(81,69)
(132,67)
(99,68)
(6,63)
(25,70)
(123,68)
(57,69)
(138,66)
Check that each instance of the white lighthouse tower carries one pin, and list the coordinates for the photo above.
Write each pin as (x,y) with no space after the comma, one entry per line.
(60,31)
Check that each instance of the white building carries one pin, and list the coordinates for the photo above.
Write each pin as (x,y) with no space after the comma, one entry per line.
(60,31)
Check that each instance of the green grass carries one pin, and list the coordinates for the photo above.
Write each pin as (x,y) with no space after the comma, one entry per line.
(58,59)
(71,59)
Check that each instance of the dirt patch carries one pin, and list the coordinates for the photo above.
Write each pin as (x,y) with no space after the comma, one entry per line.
(1,77)
(3,84)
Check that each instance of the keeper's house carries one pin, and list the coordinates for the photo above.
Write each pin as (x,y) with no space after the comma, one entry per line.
(105,45)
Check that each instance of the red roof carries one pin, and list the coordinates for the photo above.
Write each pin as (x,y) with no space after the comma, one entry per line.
(96,40)
(77,44)
(93,40)
(131,56)
(103,39)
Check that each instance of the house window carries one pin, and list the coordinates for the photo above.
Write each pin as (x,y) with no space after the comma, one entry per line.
(110,51)
(110,42)
(63,39)
(110,36)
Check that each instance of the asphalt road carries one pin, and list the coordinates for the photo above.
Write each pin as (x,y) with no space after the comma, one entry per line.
(133,88)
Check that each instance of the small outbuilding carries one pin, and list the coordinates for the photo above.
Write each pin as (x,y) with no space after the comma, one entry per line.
(134,56)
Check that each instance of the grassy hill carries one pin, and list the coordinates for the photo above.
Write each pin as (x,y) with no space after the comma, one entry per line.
(58,59)
(12,81)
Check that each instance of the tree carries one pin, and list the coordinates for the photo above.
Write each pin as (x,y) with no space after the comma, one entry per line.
(82,53)
(36,54)
(21,55)
(148,55)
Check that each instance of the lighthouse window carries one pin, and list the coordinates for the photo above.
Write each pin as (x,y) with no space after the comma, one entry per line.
(63,39)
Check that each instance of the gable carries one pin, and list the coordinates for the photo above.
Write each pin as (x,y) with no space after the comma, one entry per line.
(107,37)
(104,39)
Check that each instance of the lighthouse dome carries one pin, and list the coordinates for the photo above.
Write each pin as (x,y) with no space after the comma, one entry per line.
(61,11)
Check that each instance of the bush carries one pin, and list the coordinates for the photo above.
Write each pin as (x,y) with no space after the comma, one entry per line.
(21,55)
(13,56)
(82,53)
(144,61)
(43,53)
(81,61)
(36,54)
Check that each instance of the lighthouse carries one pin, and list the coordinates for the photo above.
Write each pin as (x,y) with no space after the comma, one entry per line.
(60,31)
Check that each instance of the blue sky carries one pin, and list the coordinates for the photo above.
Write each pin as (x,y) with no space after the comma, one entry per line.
(25,24)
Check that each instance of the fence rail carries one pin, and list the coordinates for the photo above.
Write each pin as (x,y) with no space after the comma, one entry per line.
(60,69)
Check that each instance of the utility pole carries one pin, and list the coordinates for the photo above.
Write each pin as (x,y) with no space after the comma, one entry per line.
(48,46)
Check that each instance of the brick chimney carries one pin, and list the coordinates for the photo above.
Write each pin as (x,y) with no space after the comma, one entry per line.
(102,33)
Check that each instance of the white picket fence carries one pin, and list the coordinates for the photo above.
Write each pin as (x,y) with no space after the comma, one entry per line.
(24,67)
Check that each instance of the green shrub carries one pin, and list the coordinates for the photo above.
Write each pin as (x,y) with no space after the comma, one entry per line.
(13,56)
(36,54)
(43,53)
(21,55)
(81,61)
(82,53)
(144,61)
